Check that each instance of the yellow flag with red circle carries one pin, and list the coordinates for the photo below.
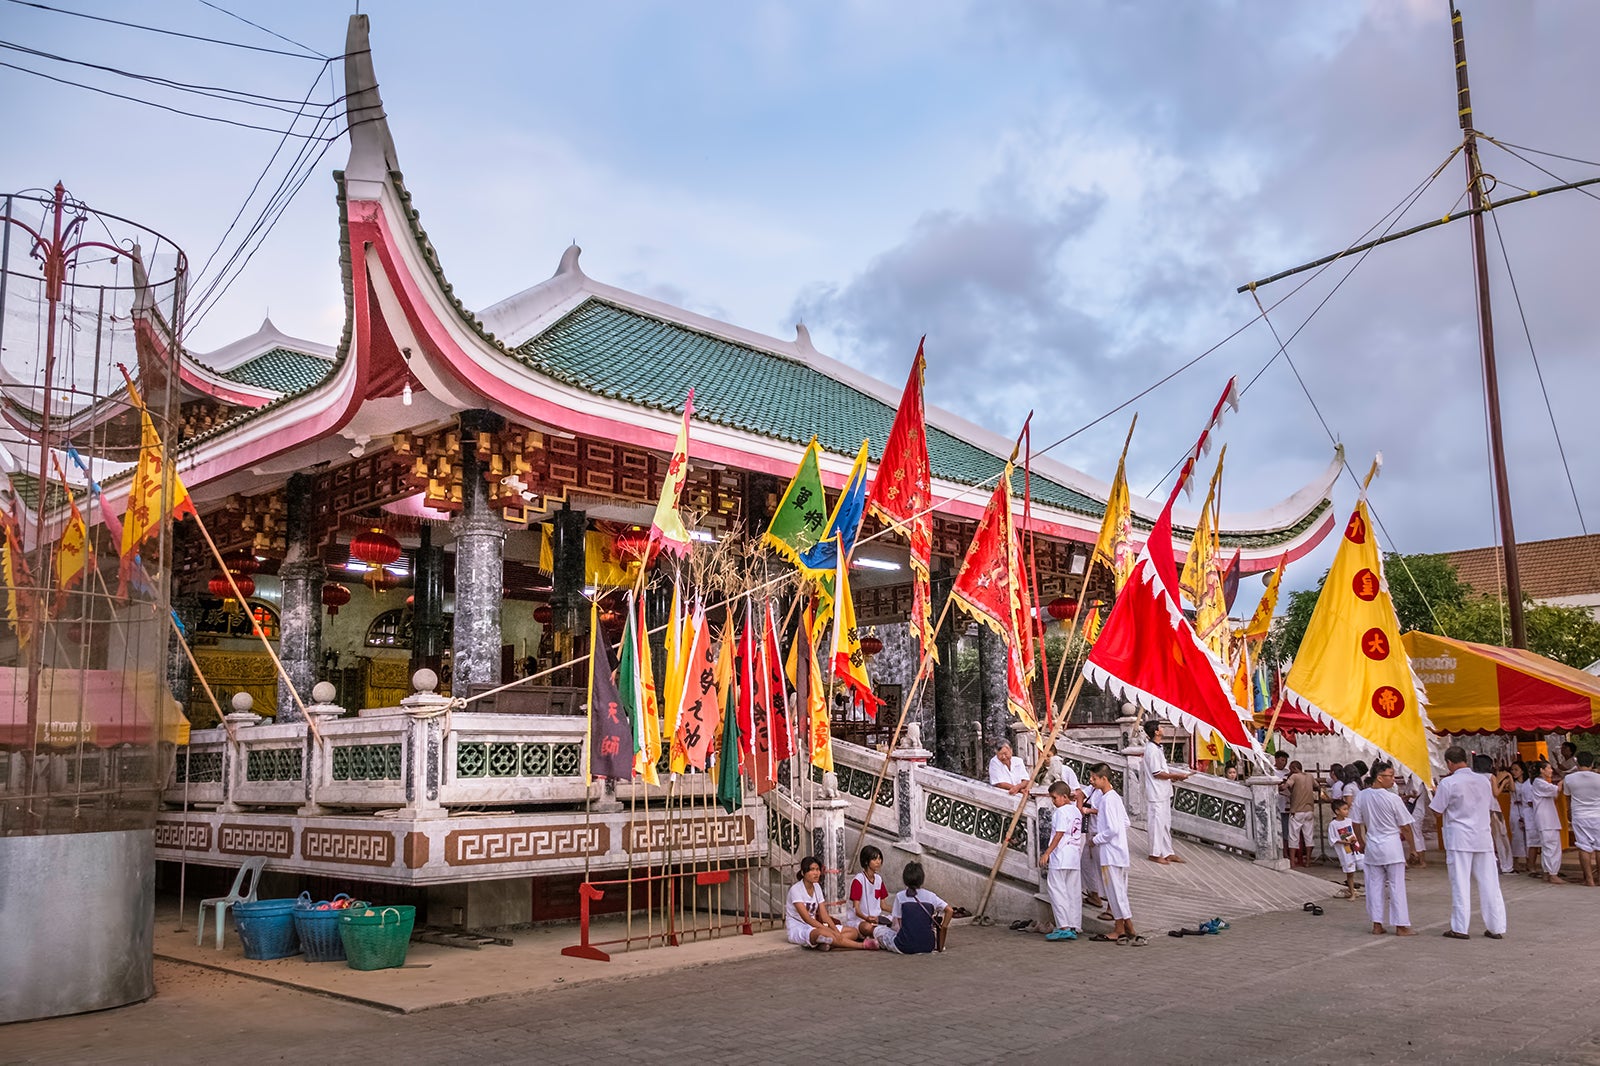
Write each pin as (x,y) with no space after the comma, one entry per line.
(1351,672)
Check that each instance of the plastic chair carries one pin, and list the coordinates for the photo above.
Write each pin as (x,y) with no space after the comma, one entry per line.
(250,868)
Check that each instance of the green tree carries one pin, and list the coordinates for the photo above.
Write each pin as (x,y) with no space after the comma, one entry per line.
(1423,587)
(1569,635)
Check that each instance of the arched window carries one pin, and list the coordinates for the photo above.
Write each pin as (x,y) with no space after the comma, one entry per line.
(391,629)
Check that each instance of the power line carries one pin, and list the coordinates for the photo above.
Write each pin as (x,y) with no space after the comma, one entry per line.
(263,29)
(1527,332)
(216,92)
(169,33)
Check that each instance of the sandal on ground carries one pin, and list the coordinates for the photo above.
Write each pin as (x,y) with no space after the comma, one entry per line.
(1312,908)
(1139,941)
(1019,925)
(1451,934)
(1180,932)
(1101,938)
(1124,940)
(1107,916)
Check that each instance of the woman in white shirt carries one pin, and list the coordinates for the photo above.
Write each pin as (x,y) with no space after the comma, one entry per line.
(1547,821)
(1383,833)
(1519,829)
(806,917)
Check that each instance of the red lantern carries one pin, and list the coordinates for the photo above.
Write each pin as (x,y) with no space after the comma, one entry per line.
(379,580)
(544,614)
(871,645)
(334,596)
(375,548)
(1062,608)
(220,588)
(242,563)
(611,622)
(633,544)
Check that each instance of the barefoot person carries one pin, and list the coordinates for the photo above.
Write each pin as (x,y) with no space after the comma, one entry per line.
(1582,787)
(1301,788)
(1547,821)
(1462,800)
(1158,779)
(1383,833)
(1111,847)
(1519,828)
(808,922)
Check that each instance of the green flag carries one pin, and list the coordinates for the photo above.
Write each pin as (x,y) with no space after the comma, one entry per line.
(802,512)
(730,786)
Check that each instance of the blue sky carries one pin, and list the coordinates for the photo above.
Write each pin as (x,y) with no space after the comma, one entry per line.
(1063,196)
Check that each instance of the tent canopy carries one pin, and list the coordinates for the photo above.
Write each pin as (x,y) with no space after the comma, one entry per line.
(1479,688)
(1291,721)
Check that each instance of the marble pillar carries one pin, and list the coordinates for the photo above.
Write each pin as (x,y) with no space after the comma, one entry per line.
(993,712)
(950,731)
(427,611)
(300,616)
(480,534)
(571,610)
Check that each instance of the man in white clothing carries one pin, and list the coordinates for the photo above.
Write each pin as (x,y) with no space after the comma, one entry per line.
(1158,778)
(1008,772)
(1462,799)
(1582,787)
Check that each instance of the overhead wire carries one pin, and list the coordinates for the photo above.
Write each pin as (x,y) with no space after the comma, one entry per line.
(263,29)
(170,33)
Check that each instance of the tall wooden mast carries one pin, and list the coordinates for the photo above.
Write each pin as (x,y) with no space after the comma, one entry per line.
(1491,377)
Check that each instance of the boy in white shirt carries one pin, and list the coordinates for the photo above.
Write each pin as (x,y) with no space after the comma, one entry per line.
(1063,858)
(1582,787)
(1342,838)
(1111,846)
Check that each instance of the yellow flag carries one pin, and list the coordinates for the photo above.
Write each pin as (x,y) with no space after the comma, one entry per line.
(849,662)
(645,760)
(1114,548)
(1351,672)
(145,514)
(667,529)
(13,581)
(672,690)
(1201,580)
(72,553)
(1260,623)
(810,696)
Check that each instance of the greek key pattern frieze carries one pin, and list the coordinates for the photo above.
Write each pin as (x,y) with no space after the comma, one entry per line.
(359,847)
(273,841)
(476,847)
(686,835)
(196,836)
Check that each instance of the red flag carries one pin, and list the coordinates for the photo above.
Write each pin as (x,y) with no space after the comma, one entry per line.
(992,588)
(902,495)
(778,699)
(700,717)
(1148,653)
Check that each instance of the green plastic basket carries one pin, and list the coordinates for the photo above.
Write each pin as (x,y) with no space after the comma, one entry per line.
(376,939)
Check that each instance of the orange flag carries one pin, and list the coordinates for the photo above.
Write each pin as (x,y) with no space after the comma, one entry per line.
(700,713)
(902,495)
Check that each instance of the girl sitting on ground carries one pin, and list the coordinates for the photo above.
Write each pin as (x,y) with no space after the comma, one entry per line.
(868,893)
(807,920)
(919,919)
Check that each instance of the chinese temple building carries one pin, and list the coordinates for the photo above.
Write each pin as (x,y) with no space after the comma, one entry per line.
(440,486)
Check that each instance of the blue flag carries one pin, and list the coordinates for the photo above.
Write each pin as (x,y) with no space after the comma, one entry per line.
(844,524)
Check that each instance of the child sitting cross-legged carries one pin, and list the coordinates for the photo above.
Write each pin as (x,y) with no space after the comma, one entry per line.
(919,920)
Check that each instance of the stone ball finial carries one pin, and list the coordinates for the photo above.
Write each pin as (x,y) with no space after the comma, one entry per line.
(323,692)
(243,701)
(424,680)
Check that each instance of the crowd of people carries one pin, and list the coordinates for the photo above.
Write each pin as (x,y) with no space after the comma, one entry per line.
(1377,828)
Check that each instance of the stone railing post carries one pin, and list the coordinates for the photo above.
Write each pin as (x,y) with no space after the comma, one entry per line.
(233,753)
(1264,823)
(425,745)
(1133,796)
(904,761)
(321,709)
(825,813)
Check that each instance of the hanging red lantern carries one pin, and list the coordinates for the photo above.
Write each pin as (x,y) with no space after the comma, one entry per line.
(611,621)
(871,645)
(242,563)
(220,587)
(335,596)
(375,548)
(544,614)
(379,580)
(633,544)
(1062,608)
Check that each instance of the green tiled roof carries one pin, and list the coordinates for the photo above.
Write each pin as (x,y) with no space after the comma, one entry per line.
(281,370)
(619,353)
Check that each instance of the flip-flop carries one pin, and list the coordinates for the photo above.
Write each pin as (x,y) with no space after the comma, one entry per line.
(1107,916)
(1312,908)
(1019,925)
(1451,934)
(1124,941)
(1101,938)
(1139,942)
(1178,932)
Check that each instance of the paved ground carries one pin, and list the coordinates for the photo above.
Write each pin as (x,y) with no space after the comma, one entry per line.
(1278,988)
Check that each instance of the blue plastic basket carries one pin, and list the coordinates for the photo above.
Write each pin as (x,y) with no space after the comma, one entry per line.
(266,928)
(319,929)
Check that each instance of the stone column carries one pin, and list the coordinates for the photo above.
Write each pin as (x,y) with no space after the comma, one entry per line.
(427,612)
(1268,828)
(186,606)
(907,793)
(1133,795)
(571,621)
(993,712)
(949,730)
(302,574)
(826,813)
(480,534)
